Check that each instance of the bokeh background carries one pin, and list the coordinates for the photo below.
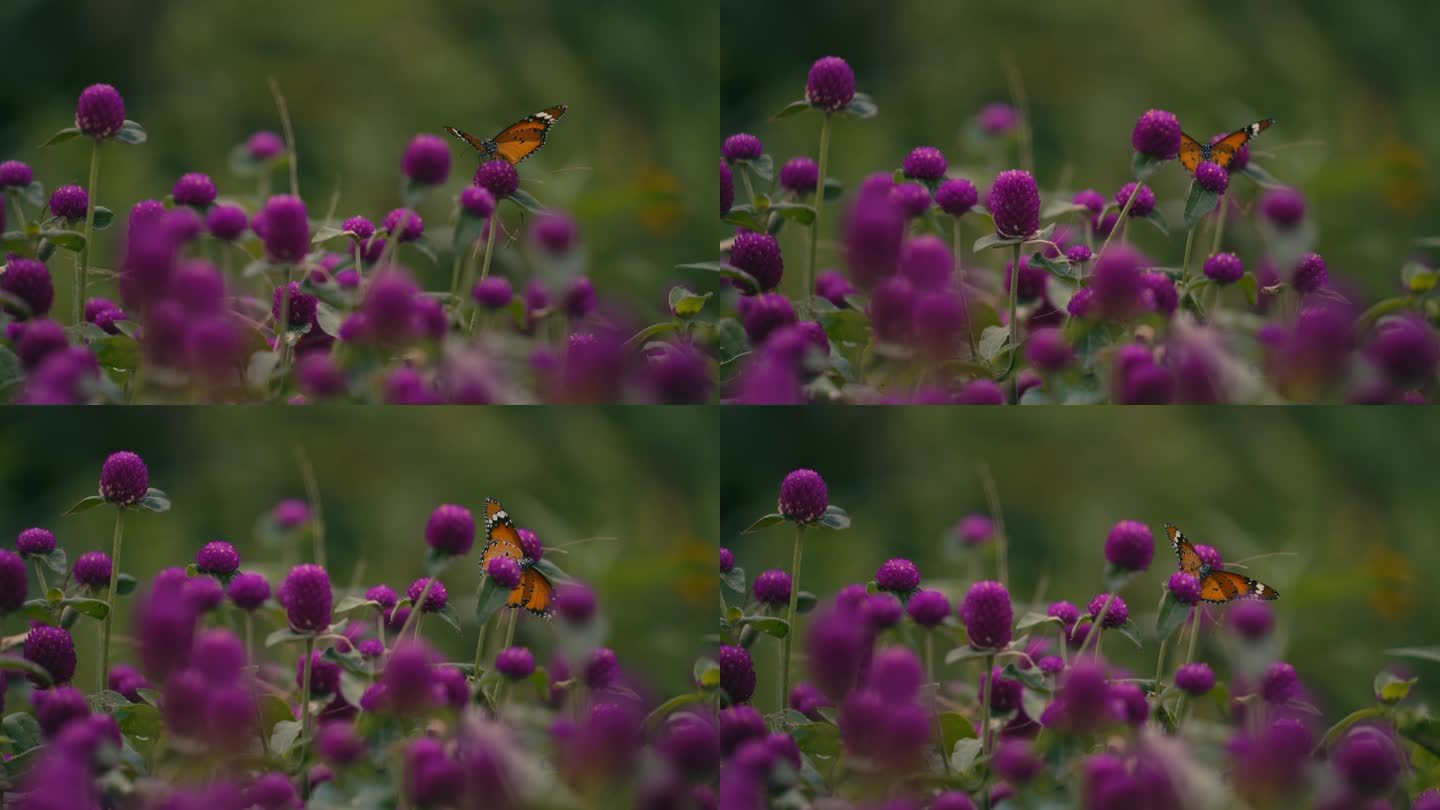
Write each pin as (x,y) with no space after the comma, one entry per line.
(1343,490)
(1358,131)
(361,78)
(644,479)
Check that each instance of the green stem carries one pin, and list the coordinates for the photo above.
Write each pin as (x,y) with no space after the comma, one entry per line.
(1160,664)
(484,267)
(806,295)
(249,636)
(749,189)
(935,707)
(790,617)
(92,191)
(305,697)
(480,649)
(509,639)
(1189,657)
(1095,627)
(40,575)
(985,709)
(957,240)
(1185,265)
(1014,326)
(1118,221)
(102,677)
(1219,226)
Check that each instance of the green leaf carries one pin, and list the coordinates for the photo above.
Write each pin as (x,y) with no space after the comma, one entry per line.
(992,342)
(1418,278)
(117,351)
(1130,631)
(862,106)
(734,579)
(834,189)
(1261,177)
(793,108)
(448,615)
(125,584)
(769,625)
(273,711)
(103,217)
(34,193)
(1391,688)
(551,571)
(140,721)
(327,233)
(131,132)
(1381,309)
(1250,286)
(1032,677)
(994,240)
(1060,208)
(11,372)
(1173,613)
(954,728)
(731,340)
(835,518)
(705,672)
(489,598)
(106,701)
(1143,165)
(1033,702)
(805,601)
(85,505)
(23,730)
(1158,220)
(817,739)
(155,501)
(686,304)
(798,212)
(656,717)
(152,696)
(966,653)
(653,330)
(964,754)
(763,166)
(351,604)
(436,562)
(66,134)
(285,636)
(70,240)
(94,608)
(1198,204)
(846,326)
(1423,653)
(768,520)
(25,665)
(743,216)
(1034,619)
(283,737)
(725,271)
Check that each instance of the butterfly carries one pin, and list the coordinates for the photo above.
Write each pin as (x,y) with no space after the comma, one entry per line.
(535,593)
(1193,153)
(517,141)
(1215,585)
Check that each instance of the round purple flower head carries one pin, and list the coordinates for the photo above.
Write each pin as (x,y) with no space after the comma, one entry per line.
(1066,612)
(1184,587)
(283,225)
(1224,268)
(807,700)
(1016,762)
(307,598)
(830,85)
(759,255)
(494,292)
(727,560)
(956,196)
(69,202)
(765,313)
(1406,350)
(833,287)
(450,529)
(1280,684)
(976,529)
(1212,177)
(773,587)
(427,160)
(35,541)
(998,118)
(952,800)
(980,392)
(1092,200)
(203,593)
(928,608)
(603,668)
(1429,800)
(727,188)
(912,198)
(226,222)
(92,569)
(302,305)
(14,584)
(53,649)
(1048,352)
(1157,134)
(124,479)
(100,112)
(217,557)
(1158,290)
(742,146)
(737,673)
(265,145)
(555,233)
(925,163)
(59,707)
(477,202)
(435,600)
(515,663)
(498,177)
(1252,619)
(575,602)
(1369,761)
(1117,284)
(882,610)
(898,575)
(896,674)
(1014,200)
(1130,546)
(1195,679)
(404,224)
(14,174)
(987,614)
(874,231)
(1283,207)
(291,513)
(28,280)
(194,189)
(1117,614)
(249,591)
(1144,199)
(800,174)
(804,496)
(1310,274)
(505,572)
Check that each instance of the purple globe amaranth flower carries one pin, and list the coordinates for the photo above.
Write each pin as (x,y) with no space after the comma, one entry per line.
(952,800)
(772,587)
(742,146)
(53,649)
(925,163)
(272,791)
(226,222)
(874,230)
(1128,704)
(891,310)
(404,225)
(679,375)
(324,675)
(881,611)
(41,338)
(284,228)
(807,699)
(450,529)
(1406,350)
(1144,199)
(928,608)
(898,575)
(976,529)
(956,196)
(307,598)
(1310,274)
(319,376)
(912,198)
(59,707)
(998,118)
(435,599)
(939,323)
(1014,201)
(1280,684)
(389,307)
(1212,177)
(100,112)
(575,602)
(1184,587)
(493,293)
(738,725)
(830,85)
(1283,207)
(1369,760)
(69,202)
(1130,545)
(1092,200)
(727,188)
(1252,619)
(338,744)
(291,513)
(248,591)
(28,280)
(803,496)
(1016,763)
(92,569)
(895,673)
(36,541)
(838,646)
(1084,697)
(1195,679)
(980,392)
(302,305)
(14,583)
(692,744)
(203,594)
(765,313)
(14,174)
(759,255)
(800,175)
(1224,268)
(987,614)
(105,314)
(1429,800)
(427,160)
(1066,612)
(1157,134)
(183,224)
(217,557)
(124,478)
(1117,614)
(602,669)
(727,560)
(1079,254)
(1117,284)
(515,663)
(498,177)
(1032,279)
(737,673)
(505,571)
(265,145)
(195,190)
(1048,352)
(555,233)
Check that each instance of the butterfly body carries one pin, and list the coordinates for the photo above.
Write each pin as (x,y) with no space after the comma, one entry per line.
(1217,586)
(517,141)
(535,593)
(1222,152)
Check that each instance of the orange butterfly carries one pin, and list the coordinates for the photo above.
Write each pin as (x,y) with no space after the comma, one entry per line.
(517,141)
(1193,153)
(535,593)
(1215,585)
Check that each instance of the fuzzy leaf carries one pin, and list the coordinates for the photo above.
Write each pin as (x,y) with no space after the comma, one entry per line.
(117,351)
(1261,177)
(793,108)
(283,737)
(1424,653)
(155,501)
(350,604)
(85,505)
(1198,204)
(1391,688)
(862,106)
(1033,619)
(448,615)
(1173,613)
(992,342)
(66,134)
(16,664)
(1143,165)
(725,271)
(23,730)
(140,721)
(769,625)
(686,304)
(706,673)
(768,520)
(965,753)
(734,579)
(94,608)
(489,599)
(131,133)
(835,518)
(284,636)
(995,240)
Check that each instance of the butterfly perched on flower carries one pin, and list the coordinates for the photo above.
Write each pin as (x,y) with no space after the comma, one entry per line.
(517,141)
(535,593)
(1215,585)
(1193,153)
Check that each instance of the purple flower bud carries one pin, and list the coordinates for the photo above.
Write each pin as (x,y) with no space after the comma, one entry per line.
(1157,134)
(40,338)
(1310,274)
(427,160)
(1014,201)
(217,557)
(691,744)
(1253,620)
(1211,177)
(987,615)
(1015,762)
(800,174)
(100,112)
(124,479)
(450,529)
(35,541)
(515,663)
(195,190)
(895,673)
(928,608)
(14,584)
(837,646)
(1280,684)
(742,146)
(1185,588)
(575,602)
(1429,800)
(1048,352)
(737,673)
(1195,679)
(435,599)
(980,392)
(493,293)
(1130,545)
(1369,761)
(1283,207)
(338,744)
(927,263)
(1144,199)
(226,222)
(92,569)
(874,231)
(1117,614)
(59,707)
(807,700)
(898,575)
(14,174)
(302,305)
(998,118)
(1116,283)
(1406,350)
(404,224)
(939,322)
(69,202)
(28,280)
(881,611)
(803,496)
(505,572)
(389,307)
(727,188)
(283,226)
(1091,199)
(830,85)
(912,198)
(53,649)
(772,587)
(925,163)
(498,177)
(265,145)
(891,310)
(759,255)
(1224,268)
(249,591)
(307,598)
(956,196)
(765,313)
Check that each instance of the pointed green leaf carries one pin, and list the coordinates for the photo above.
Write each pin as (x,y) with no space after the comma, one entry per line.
(1173,613)
(766,521)
(66,134)
(131,133)
(835,518)
(793,108)
(769,625)
(734,579)
(84,505)
(1391,688)
(103,217)
(862,106)
(964,754)
(489,599)
(686,304)
(1143,165)
(283,737)
(1198,204)
(155,501)
(94,608)
(1424,653)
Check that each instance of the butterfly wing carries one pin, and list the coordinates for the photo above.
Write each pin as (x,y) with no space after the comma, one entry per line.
(475,143)
(501,538)
(1223,151)
(1190,561)
(536,593)
(525,137)
(1226,586)
(1191,152)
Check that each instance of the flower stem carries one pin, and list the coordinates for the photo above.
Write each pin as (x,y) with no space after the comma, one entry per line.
(1118,220)
(1095,626)
(415,609)
(1219,226)
(249,636)
(480,649)
(82,281)
(1014,326)
(805,295)
(790,617)
(102,677)
(935,707)
(1160,664)
(305,696)
(509,639)
(1189,657)
(985,708)
(484,267)
(964,302)
(40,575)
(1185,266)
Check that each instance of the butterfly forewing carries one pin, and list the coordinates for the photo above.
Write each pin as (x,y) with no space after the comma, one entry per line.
(535,593)
(1191,152)
(1215,586)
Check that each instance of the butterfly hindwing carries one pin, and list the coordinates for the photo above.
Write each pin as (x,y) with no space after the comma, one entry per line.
(1226,586)
(1221,152)
(1191,152)
(535,593)
(525,137)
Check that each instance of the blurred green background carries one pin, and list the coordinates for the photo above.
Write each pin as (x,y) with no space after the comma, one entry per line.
(644,479)
(360,79)
(1352,88)
(1345,490)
